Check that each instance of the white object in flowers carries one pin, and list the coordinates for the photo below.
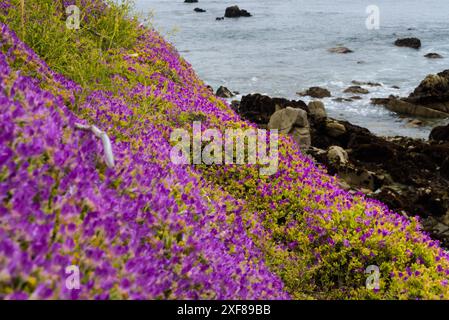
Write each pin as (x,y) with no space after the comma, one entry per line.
(107,146)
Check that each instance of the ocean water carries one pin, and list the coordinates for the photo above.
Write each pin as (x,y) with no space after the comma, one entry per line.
(282,49)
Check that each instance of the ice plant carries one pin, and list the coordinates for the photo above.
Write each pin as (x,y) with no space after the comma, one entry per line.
(146,228)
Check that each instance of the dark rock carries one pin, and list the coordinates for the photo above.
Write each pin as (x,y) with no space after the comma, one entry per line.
(440,133)
(369,83)
(199,10)
(340,100)
(356,90)
(340,50)
(433,56)
(236,12)
(258,108)
(414,43)
(373,152)
(190,1)
(415,123)
(315,92)
(380,101)
(224,92)
(219,18)
(235,105)
(444,169)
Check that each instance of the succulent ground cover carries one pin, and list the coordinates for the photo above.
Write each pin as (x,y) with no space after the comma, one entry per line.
(147,228)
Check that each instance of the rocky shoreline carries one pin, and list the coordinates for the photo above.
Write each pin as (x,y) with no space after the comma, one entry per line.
(410,175)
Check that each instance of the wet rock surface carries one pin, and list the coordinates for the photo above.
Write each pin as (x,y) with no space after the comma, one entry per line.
(433,56)
(430,99)
(414,43)
(315,92)
(258,108)
(411,176)
(340,50)
(236,12)
(356,90)
(224,92)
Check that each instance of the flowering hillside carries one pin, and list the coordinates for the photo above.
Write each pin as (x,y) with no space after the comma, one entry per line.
(146,228)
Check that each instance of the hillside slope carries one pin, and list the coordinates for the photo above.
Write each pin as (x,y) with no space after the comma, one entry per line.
(150,229)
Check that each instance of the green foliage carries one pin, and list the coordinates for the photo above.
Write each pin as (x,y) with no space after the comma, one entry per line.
(85,55)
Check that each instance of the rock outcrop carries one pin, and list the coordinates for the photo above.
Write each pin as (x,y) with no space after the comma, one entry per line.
(317,109)
(294,122)
(356,90)
(410,176)
(236,12)
(440,133)
(433,56)
(224,92)
(340,50)
(259,108)
(414,43)
(430,99)
(315,92)
(366,83)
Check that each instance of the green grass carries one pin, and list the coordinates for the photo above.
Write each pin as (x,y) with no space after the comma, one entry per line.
(85,55)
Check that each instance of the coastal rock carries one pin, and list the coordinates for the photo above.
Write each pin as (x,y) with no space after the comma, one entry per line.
(411,176)
(340,99)
(236,12)
(433,56)
(440,133)
(356,90)
(335,129)
(373,152)
(235,105)
(340,50)
(338,155)
(286,119)
(259,108)
(369,83)
(224,92)
(315,92)
(317,109)
(433,92)
(415,123)
(380,101)
(402,106)
(199,10)
(302,137)
(292,121)
(414,43)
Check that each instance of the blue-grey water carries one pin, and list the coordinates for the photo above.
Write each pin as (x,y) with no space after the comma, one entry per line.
(282,49)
